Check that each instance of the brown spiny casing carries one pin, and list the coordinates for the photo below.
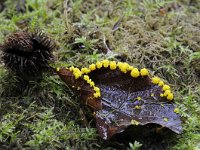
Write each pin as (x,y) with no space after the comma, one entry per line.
(28,53)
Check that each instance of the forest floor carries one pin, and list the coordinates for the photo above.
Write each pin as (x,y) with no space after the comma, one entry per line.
(161,35)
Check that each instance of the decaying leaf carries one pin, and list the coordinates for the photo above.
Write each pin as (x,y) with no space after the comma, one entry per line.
(126,99)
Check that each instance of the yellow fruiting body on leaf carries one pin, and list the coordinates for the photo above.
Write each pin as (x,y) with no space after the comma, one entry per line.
(170,96)
(91,83)
(135,73)
(161,83)
(86,77)
(97,94)
(161,95)
(99,65)
(137,107)
(130,68)
(167,92)
(71,68)
(123,67)
(166,87)
(119,64)
(105,63)
(176,110)
(75,70)
(144,72)
(96,89)
(92,67)
(134,122)
(155,80)
(113,65)
(165,119)
(85,70)
(57,69)
(77,73)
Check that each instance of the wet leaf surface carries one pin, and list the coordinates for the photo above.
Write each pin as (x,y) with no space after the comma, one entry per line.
(125,101)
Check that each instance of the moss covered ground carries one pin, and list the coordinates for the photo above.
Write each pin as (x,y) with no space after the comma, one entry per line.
(161,35)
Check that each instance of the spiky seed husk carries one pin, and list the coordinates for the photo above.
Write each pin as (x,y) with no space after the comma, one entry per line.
(28,53)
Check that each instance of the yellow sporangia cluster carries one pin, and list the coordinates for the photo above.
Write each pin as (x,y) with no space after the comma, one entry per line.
(79,73)
(76,72)
(176,110)
(112,65)
(92,84)
(123,67)
(166,88)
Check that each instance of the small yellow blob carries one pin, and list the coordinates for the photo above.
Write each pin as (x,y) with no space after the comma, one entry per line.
(105,63)
(97,94)
(165,119)
(123,67)
(86,77)
(130,68)
(96,89)
(176,110)
(92,67)
(77,74)
(57,69)
(75,70)
(139,98)
(161,95)
(170,96)
(71,68)
(99,65)
(144,72)
(155,80)
(113,65)
(135,73)
(166,87)
(152,94)
(91,83)
(137,107)
(167,92)
(85,70)
(119,64)
(127,65)
(161,83)
(134,122)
